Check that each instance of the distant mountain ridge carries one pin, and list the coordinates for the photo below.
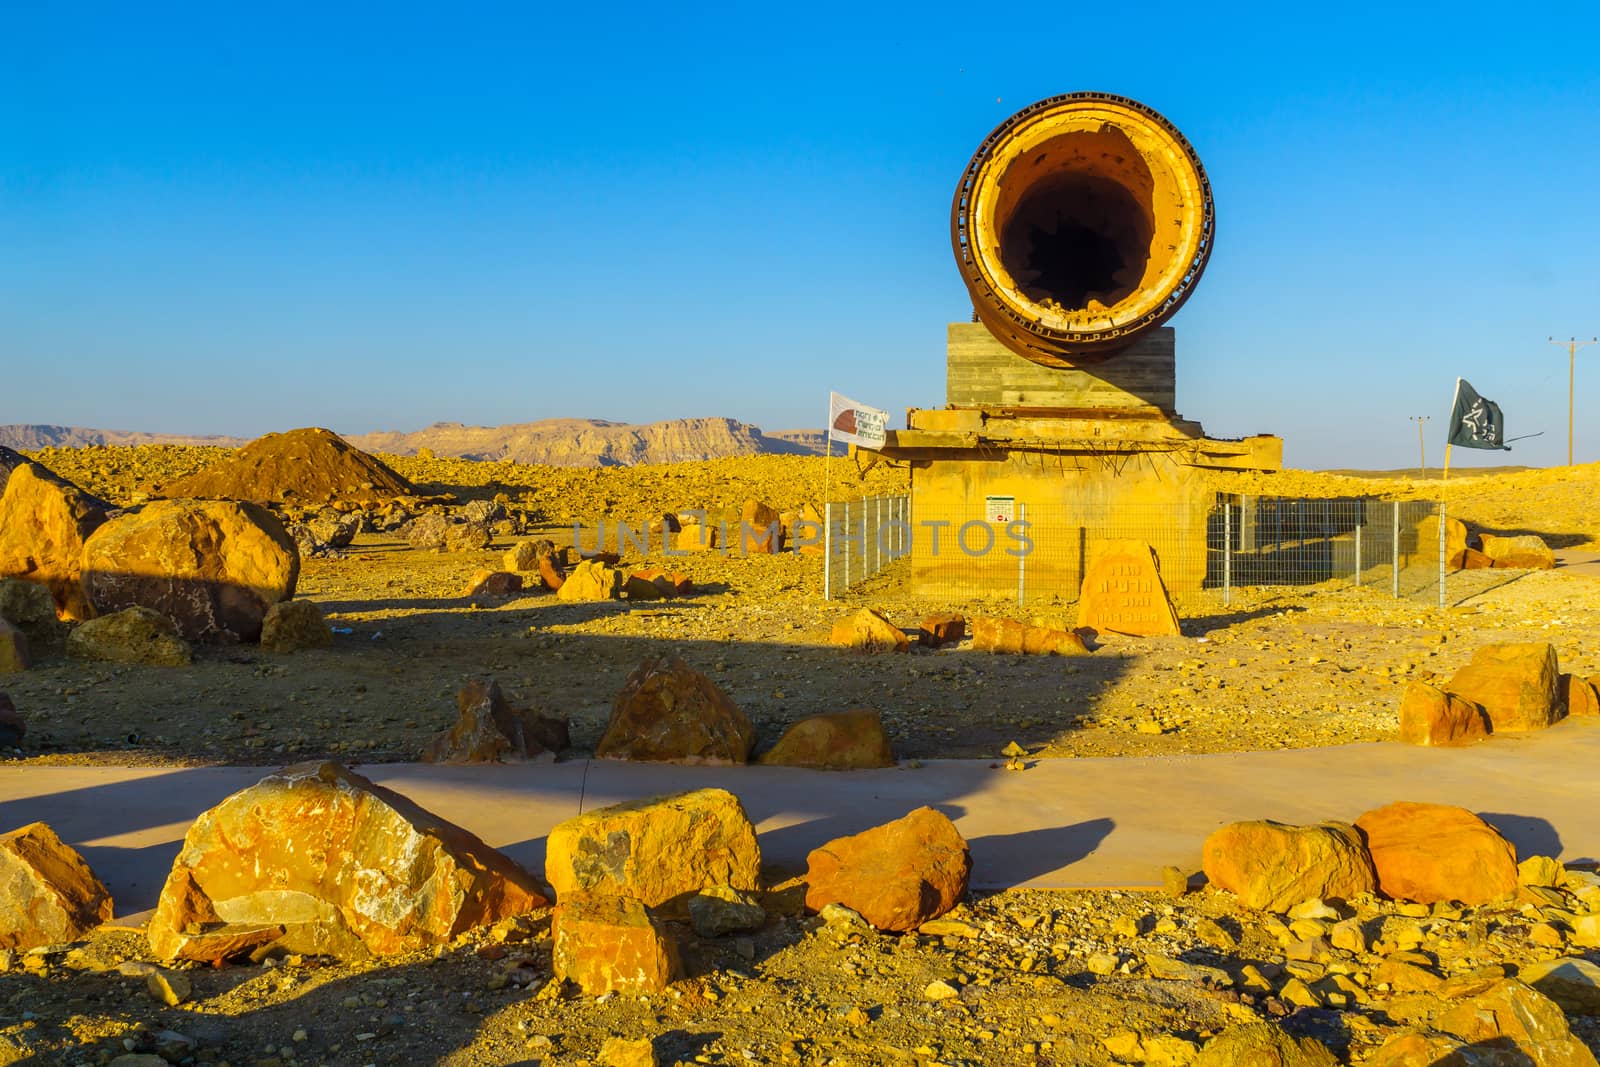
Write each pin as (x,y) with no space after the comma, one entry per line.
(593,442)
(554,442)
(23,436)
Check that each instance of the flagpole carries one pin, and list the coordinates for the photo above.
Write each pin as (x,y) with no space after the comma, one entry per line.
(1444,482)
(827,455)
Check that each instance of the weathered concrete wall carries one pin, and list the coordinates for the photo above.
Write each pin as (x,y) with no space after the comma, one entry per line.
(1070,503)
(980,370)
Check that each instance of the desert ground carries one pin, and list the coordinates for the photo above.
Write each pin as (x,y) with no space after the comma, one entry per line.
(1040,977)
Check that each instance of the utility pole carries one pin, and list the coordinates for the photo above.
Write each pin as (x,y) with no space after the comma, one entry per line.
(1573,344)
(1422,448)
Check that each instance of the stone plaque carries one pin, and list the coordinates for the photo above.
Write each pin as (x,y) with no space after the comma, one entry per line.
(1123,593)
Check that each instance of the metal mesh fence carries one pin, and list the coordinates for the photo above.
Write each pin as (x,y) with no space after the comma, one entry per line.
(861,538)
(1206,550)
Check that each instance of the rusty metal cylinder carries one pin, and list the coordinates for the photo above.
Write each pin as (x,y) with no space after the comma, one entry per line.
(1081,222)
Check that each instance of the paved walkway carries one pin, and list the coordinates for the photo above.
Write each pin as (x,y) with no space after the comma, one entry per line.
(1060,823)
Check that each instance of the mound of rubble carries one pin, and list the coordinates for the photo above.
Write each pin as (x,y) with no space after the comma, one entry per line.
(300,467)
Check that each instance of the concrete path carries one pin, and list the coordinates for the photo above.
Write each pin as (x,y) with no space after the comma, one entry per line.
(1060,823)
(1578,561)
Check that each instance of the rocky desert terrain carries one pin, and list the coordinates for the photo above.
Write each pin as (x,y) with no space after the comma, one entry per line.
(1021,977)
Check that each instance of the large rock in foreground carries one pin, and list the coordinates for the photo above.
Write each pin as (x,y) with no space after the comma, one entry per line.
(134,635)
(668,712)
(833,741)
(1512,1014)
(611,944)
(48,894)
(1572,982)
(897,876)
(44,522)
(214,567)
(1275,866)
(344,866)
(1430,716)
(660,851)
(1433,852)
(1515,684)
(1263,1045)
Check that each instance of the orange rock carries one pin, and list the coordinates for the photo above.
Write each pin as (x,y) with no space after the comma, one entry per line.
(490,730)
(611,944)
(1123,592)
(947,628)
(1579,696)
(806,534)
(1526,552)
(695,537)
(1513,1014)
(1430,716)
(869,631)
(489,582)
(550,573)
(214,567)
(897,876)
(660,851)
(591,580)
(294,624)
(1473,560)
(1455,540)
(346,867)
(1275,866)
(760,529)
(639,586)
(1515,684)
(522,556)
(1581,704)
(1434,852)
(665,584)
(1016,638)
(834,741)
(50,894)
(669,712)
(44,522)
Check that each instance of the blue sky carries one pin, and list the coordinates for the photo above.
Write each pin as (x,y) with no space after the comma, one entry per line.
(236,221)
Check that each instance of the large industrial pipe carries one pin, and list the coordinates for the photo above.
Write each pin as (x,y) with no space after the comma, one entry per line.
(1081,221)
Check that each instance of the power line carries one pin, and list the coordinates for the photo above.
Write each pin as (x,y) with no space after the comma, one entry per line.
(1422,448)
(1573,344)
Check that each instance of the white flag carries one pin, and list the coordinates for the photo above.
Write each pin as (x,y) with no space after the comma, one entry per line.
(855,423)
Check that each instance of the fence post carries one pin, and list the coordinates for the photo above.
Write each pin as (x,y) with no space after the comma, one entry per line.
(827,549)
(1022,558)
(877,530)
(1227,552)
(847,544)
(1362,522)
(1394,550)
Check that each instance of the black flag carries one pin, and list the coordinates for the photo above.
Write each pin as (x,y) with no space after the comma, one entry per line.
(1474,421)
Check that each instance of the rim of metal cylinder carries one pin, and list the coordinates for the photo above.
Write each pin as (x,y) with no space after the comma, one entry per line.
(1053,335)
